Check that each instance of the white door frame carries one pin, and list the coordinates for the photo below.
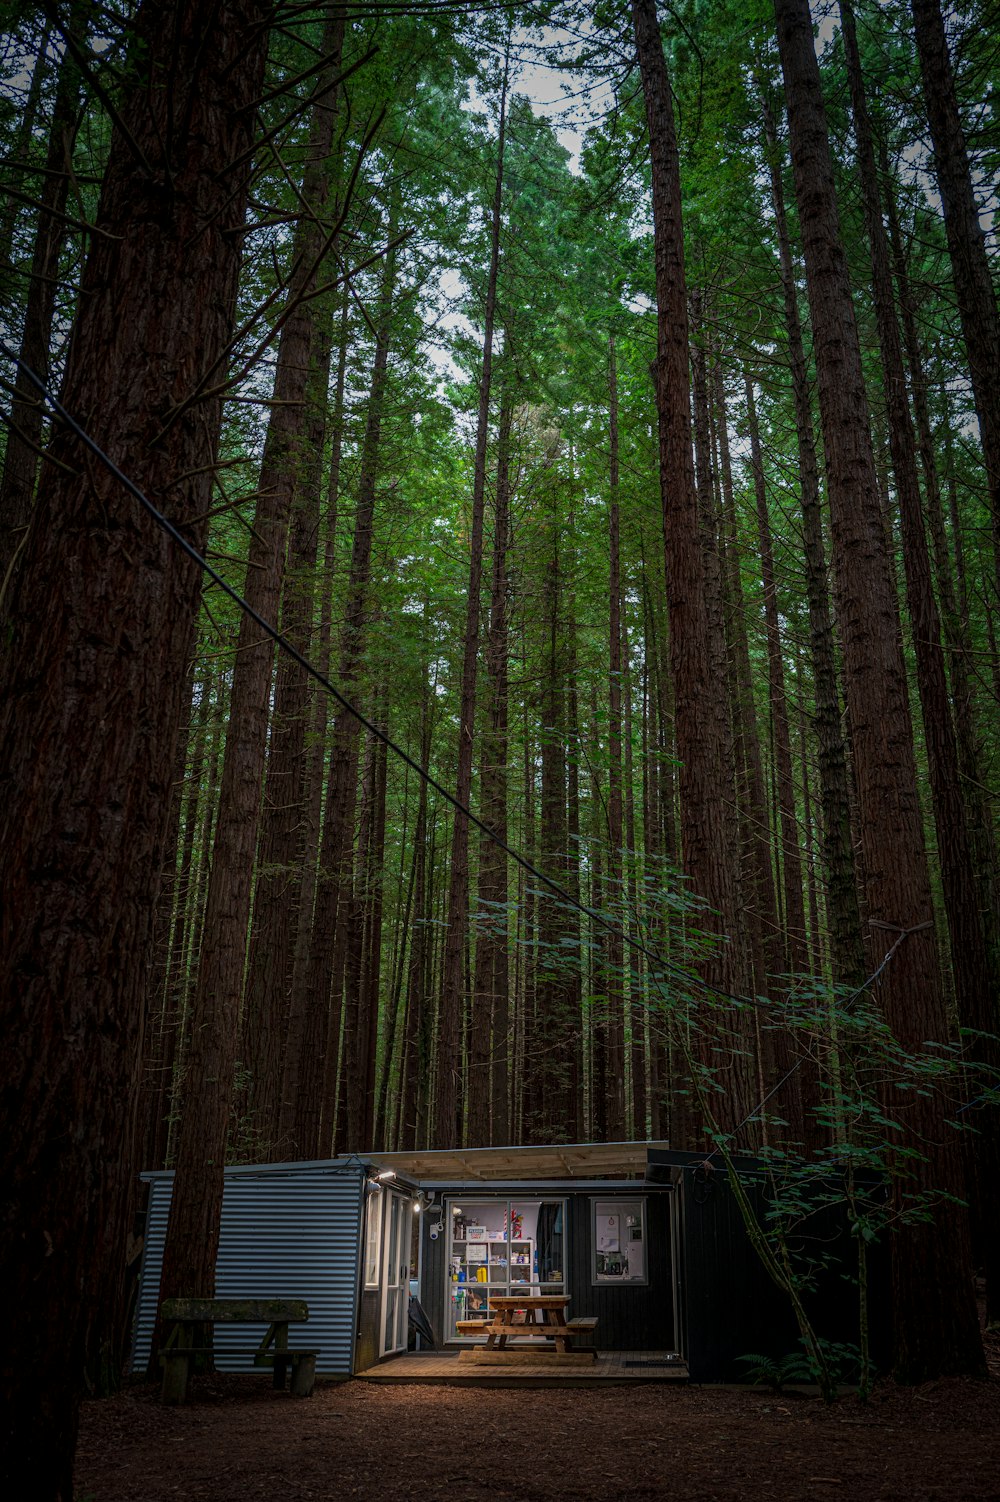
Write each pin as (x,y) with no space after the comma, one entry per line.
(395,1253)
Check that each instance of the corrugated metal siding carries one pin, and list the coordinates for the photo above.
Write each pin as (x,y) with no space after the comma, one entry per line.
(284,1235)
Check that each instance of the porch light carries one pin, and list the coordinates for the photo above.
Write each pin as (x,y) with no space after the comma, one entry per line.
(387,1173)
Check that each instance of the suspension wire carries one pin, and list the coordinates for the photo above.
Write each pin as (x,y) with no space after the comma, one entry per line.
(849,1001)
(346,704)
(657,959)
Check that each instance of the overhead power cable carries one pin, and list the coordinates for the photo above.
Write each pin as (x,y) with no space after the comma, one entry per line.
(685,977)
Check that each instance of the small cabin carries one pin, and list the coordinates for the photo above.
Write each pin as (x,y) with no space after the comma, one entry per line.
(645,1239)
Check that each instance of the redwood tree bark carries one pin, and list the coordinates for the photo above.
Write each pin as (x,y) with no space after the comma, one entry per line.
(26,417)
(936,1329)
(17,167)
(550,1040)
(448,1113)
(192,1237)
(767,953)
(954,615)
(312,799)
(415,1057)
(707,838)
(975,987)
(796,955)
(101,631)
(977,302)
(843,913)
(489,1085)
(310,1094)
(612,1019)
(284,819)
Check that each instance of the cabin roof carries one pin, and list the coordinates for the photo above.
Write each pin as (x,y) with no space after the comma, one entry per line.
(562,1161)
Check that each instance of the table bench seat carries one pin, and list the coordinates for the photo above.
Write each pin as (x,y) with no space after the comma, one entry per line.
(187,1316)
(514,1334)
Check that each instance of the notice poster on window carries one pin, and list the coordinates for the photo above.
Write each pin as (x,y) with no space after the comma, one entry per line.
(609,1233)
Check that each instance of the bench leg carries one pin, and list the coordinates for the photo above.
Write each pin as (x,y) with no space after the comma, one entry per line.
(280,1368)
(304,1376)
(175,1377)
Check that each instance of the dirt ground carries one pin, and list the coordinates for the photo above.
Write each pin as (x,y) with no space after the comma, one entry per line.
(237,1440)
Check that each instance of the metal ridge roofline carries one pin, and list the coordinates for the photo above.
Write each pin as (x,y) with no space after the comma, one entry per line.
(539,1188)
(318,1166)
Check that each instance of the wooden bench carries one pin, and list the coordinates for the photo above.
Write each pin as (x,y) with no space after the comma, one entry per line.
(187,1318)
(473,1326)
(516,1337)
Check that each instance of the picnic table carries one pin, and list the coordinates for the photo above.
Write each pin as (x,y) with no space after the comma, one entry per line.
(185,1319)
(521,1318)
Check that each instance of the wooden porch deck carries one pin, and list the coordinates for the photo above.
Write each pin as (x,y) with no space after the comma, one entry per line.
(610,1367)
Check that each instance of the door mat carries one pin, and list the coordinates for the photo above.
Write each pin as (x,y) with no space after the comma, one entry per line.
(655,1361)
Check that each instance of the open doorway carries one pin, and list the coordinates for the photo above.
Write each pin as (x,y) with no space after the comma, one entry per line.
(501,1248)
(397,1231)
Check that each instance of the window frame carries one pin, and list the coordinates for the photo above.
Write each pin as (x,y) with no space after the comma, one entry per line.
(374,1217)
(642,1200)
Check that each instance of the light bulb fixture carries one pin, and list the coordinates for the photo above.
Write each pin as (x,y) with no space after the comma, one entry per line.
(387,1173)
(417,1207)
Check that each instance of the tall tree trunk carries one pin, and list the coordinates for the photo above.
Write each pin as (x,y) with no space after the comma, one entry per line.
(323,986)
(312,796)
(936,1329)
(489,1081)
(796,949)
(709,859)
(551,1040)
(415,1062)
(26,415)
(975,987)
(954,614)
(161,1053)
(970,267)
(843,913)
(572,921)
(101,628)
(636,1114)
(448,1110)
(603,948)
(765,933)
(613,1018)
(17,167)
(362,991)
(192,1236)
(766,930)
(280,852)
(194,912)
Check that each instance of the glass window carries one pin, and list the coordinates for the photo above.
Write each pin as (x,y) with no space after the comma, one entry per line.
(498,1248)
(373,1226)
(619,1227)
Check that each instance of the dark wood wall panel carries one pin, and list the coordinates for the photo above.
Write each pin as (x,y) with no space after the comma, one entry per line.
(631,1317)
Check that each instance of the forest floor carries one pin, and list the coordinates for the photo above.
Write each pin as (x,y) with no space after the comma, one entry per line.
(238,1440)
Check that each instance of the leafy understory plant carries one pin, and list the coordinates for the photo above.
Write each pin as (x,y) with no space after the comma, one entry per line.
(776,1372)
(840,1361)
